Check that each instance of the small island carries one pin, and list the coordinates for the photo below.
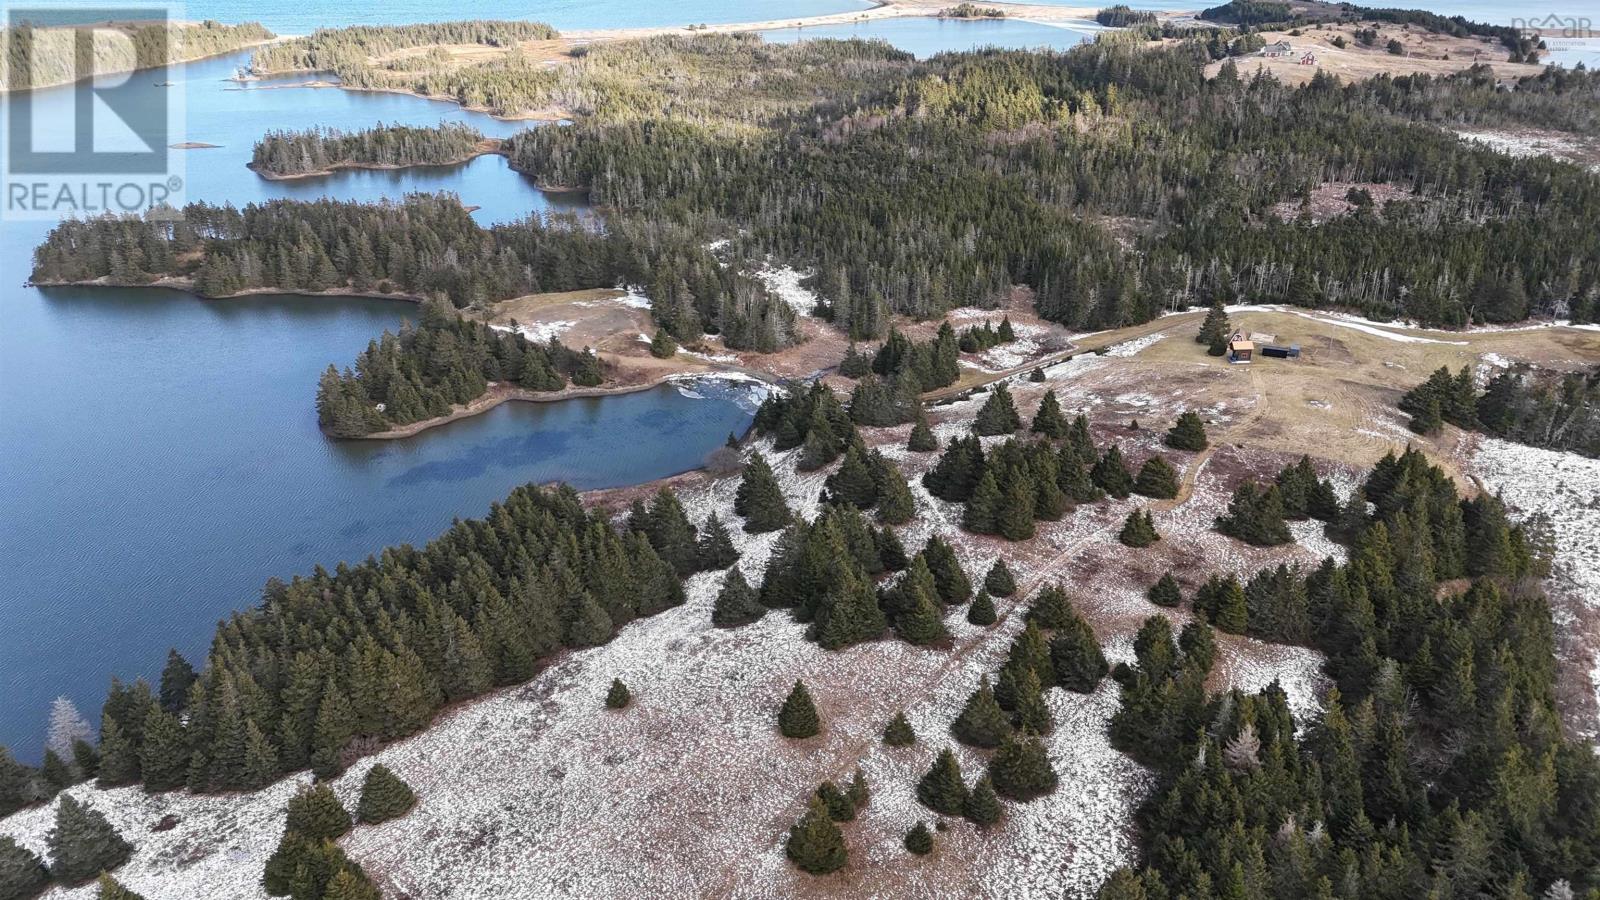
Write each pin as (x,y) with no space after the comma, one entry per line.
(282,155)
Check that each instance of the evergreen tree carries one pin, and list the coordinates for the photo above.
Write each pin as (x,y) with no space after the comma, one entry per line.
(164,758)
(921,623)
(85,759)
(798,716)
(942,789)
(982,514)
(1255,516)
(919,839)
(840,808)
(983,806)
(1076,657)
(662,346)
(384,796)
(55,773)
(110,889)
(1049,421)
(1188,433)
(1156,479)
(953,584)
(316,814)
(1051,609)
(22,874)
(1215,325)
(1021,770)
(898,732)
(1198,644)
(1014,520)
(350,884)
(982,612)
(1139,530)
(715,549)
(815,843)
(760,500)
(998,415)
(981,723)
(737,603)
(1166,592)
(848,612)
(618,695)
(857,792)
(83,844)
(1037,375)
(670,533)
(1218,345)
(1110,474)
(999,581)
(176,679)
(1032,712)
(922,439)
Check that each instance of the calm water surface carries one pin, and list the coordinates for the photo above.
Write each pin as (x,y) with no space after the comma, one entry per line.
(159,454)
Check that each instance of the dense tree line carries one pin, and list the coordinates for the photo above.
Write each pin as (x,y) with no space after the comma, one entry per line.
(318,150)
(1437,768)
(46,55)
(330,666)
(1121,16)
(1522,404)
(444,360)
(347,52)
(966,216)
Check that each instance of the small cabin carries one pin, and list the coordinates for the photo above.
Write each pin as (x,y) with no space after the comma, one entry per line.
(1279,48)
(1277,351)
(1240,348)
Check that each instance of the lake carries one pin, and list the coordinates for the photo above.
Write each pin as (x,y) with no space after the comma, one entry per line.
(159,453)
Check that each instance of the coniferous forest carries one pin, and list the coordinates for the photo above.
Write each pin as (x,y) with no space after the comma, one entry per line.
(288,153)
(1523,404)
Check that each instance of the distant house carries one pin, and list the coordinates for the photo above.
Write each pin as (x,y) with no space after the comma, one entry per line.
(1240,348)
(1281,48)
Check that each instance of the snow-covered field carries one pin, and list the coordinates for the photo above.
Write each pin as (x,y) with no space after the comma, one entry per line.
(1563,489)
(538,332)
(539,791)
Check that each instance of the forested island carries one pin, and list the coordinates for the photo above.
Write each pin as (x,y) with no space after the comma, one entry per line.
(297,154)
(46,54)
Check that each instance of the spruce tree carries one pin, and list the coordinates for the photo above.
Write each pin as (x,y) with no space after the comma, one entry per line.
(1049,420)
(316,814)
(715,549)
(1188,433)
(1014,521)
(1051,609)
(1110,474)
(982,612)
(22,874)
(16,784)
(759,498)
(922,623)
(998,415)
(1215,325)
(952,581)
(1166,592)
(351,884)
(1032,712)
(922,439)
(858,792)
(384,796)
(1232,612)
(815,843)
(83,844)
(896,506)
(737,603)
(999,582)
(898,732)
(982,513)
(176,679)
(919,839)
(797,718)
(982,723)
(839,807)
(1255,516)
(1139,530)
(982,807)
(1021,769)
(942,789)
(1156,479)
(1076,657)
(662,346)
(109,888)
(618,696)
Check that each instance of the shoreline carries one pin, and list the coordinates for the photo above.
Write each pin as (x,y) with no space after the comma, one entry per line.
(498,392)
(486,147)
(8,91)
